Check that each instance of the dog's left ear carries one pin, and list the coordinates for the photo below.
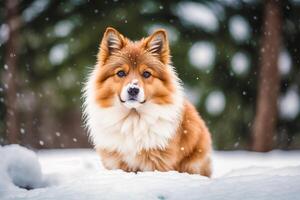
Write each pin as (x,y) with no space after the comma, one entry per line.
(112,42)
(158,45)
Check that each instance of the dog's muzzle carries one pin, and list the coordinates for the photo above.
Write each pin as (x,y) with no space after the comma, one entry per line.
(132,96)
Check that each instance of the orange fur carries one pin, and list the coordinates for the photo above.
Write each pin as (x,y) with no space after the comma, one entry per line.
(189,149)
(191,144)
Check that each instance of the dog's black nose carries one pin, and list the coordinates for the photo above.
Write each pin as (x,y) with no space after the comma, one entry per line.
(133,91)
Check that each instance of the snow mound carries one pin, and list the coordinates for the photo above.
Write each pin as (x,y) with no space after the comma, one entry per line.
(19,168)
(167,185)
(238,175)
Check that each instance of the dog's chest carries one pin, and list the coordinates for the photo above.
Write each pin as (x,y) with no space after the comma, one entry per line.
(132,133)
(138,132)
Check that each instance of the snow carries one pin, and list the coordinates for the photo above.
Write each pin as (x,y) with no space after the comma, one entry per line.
(215,102)
(239,28)
(4,33)
(202,55)
(78,174)
(63,28)
(199,15)
(289,104)
(284,62)
(34,9)
(58,53)
(240,63)
(19,168)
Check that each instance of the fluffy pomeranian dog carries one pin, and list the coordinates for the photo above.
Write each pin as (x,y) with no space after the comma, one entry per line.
(135,110)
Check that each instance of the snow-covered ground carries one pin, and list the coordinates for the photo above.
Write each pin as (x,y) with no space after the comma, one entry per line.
(78,174)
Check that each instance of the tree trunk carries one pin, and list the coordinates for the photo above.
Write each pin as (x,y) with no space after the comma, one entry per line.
(9,75)
(264,126)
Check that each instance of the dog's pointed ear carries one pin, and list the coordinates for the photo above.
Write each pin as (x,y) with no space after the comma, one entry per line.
(158,45)
(112,42)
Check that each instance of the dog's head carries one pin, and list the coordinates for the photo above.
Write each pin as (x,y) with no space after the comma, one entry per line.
(134,72)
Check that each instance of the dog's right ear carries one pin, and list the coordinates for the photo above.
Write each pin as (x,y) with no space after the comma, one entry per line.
(112,42)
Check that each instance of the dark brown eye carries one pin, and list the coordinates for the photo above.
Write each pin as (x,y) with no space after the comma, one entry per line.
(121,73)
(146,74)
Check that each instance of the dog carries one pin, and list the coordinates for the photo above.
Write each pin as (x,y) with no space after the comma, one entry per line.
(135,110)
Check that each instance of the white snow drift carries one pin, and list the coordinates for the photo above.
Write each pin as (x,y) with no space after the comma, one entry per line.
(19,168)
(78,174)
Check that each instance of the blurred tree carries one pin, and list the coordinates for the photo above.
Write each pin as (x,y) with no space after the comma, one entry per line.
(10,74)
(269,80)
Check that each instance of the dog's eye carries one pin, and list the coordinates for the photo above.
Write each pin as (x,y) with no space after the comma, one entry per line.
(121,73)
(146,74)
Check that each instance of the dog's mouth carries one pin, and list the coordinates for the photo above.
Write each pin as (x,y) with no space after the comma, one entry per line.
(132,100)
